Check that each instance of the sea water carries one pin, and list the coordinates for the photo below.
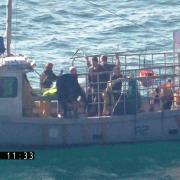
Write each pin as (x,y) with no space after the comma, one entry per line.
(51,31)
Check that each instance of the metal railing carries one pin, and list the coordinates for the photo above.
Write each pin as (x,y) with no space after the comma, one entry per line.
(163,65)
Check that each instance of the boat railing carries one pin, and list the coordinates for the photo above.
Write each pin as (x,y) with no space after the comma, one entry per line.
(162,72)
(165,69)
(141,91)
(130,60)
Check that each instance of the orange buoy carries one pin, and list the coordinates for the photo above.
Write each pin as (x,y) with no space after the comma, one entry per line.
(177,97)
(146,82)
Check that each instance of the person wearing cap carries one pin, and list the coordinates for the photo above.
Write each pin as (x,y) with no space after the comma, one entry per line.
(79,103)
(73,70)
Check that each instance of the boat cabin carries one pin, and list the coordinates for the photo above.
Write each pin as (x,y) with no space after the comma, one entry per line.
(12,85)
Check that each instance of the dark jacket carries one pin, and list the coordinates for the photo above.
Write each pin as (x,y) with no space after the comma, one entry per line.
(47,78)
(107,69)
(96,77)
(116,86)
(68,88)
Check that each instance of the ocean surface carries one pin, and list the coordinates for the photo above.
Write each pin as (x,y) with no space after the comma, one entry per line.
(52,31)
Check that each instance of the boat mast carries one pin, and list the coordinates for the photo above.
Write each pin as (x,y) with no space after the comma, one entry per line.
(8,27)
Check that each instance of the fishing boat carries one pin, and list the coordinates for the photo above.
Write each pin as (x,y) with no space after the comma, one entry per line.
(38,129)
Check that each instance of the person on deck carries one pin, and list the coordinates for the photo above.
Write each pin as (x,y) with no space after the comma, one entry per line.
(95,75)
(155,100)
(47,77)
(103,67)
(46,81)
(129,102)
(113,91)
(166,94)
(68,90)
(95,88)
(99,75)
(108,68)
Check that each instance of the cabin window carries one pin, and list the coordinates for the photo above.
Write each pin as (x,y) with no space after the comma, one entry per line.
(8,87)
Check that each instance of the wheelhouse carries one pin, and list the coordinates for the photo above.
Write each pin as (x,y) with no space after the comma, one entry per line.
(12,73)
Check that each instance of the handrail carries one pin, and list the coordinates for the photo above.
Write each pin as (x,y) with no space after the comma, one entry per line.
(123,54)
(166,72)
(164,69)
(75,54)
(145,92)
(129,60)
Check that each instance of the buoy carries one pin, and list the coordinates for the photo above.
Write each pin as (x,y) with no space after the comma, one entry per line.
(146,82)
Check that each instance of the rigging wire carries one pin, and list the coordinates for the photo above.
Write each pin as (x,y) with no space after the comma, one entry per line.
(133,22)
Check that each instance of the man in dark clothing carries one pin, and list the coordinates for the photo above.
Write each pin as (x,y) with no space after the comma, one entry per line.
(48,77)
(68,90)
(130,102)
(102,69)
(95,87)
(95,75)
(107,69)
(116,83)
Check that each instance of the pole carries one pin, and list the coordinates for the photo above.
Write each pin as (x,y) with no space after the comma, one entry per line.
(8,27)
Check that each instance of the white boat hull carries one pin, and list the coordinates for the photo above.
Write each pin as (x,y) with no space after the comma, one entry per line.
(47,132)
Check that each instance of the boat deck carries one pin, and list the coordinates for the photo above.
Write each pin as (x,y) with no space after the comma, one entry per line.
(164,66)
